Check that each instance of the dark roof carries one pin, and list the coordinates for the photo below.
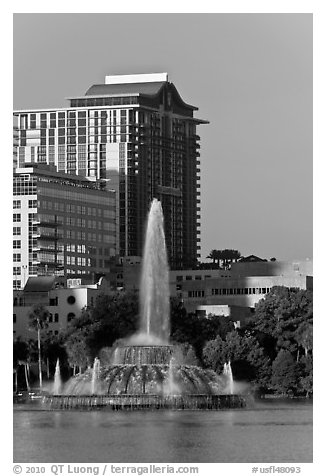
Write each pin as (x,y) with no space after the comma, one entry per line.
(145,89)
(251,259)
(39,284)
(127,88)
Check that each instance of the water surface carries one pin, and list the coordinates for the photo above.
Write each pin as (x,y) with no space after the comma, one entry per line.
(267,432)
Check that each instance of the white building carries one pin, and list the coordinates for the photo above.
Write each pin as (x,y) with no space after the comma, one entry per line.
(63,303)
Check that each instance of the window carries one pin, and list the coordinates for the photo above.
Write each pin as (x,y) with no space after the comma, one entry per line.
(194,294)
(16,204)
(56,317)
(16,244)
(15,318)
(17,257)
(70,316)
(32,203)
(16,217)
(71,300)
(53,301)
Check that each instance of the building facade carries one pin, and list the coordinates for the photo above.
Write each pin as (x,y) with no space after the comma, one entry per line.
(63,225)
(244,284)
(64,303)
(237,289)
(137,134)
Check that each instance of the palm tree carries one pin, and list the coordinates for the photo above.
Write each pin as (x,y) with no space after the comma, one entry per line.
(38,320)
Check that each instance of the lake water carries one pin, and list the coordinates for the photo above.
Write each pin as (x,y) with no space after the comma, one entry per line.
(265,432)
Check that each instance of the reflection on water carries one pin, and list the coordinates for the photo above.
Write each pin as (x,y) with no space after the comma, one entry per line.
(270,432)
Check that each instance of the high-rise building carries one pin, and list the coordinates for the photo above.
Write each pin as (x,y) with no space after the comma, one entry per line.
(63,225)
(138,134)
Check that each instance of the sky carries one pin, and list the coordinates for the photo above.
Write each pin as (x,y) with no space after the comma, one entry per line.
(250,75)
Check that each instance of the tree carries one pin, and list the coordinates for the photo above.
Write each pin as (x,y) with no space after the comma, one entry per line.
(306,375)
(114,316)
(285,372)
(226,256)
(53,348)
(304,336)
(20,356)
(38,320)
(214,255)
(194,329)
(286,315)
(76,349)
(244,352)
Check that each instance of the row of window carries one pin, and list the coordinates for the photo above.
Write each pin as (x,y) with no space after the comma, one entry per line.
(191,277)
(52,301)
(229,292)
(73,140)
(52,318)
(239,291)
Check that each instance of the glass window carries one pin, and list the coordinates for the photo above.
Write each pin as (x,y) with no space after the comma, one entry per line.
(16,284)
(16,217)
(16,204)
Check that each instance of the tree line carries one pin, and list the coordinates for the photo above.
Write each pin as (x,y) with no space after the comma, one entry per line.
(272,352)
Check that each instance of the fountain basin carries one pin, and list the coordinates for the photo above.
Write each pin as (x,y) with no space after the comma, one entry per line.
(144,402)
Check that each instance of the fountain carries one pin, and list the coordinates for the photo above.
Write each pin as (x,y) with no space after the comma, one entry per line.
(146,373)
(95,376)
(57,384)
(227,371)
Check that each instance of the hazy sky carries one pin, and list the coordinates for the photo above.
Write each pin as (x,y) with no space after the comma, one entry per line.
(250,75)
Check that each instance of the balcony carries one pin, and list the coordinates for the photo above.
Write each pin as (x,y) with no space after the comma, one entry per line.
(47,250)
(48,224)
(48,237)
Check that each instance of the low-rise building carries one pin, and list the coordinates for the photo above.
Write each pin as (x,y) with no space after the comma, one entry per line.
(245,284)
(235,291)
(64,302)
